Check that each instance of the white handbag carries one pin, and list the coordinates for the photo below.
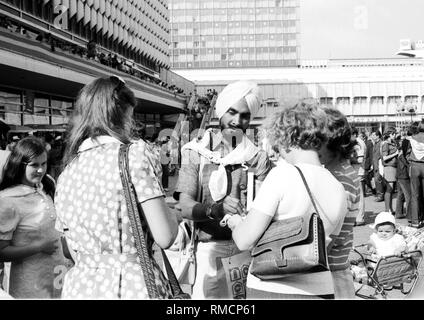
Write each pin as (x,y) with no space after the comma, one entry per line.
(380,168)
(182,256)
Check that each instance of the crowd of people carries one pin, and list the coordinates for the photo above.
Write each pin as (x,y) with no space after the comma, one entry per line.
(70,236)
(388,162)
(91,51)
(199,108)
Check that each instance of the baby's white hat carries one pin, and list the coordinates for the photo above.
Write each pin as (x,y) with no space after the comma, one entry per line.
(384,217)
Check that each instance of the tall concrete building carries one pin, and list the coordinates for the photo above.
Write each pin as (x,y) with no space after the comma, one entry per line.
(49,49)
(234,33)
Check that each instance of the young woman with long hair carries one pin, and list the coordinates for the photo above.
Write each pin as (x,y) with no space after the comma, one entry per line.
(90,199)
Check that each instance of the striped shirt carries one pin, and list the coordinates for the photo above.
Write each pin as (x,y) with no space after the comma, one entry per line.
(343,242)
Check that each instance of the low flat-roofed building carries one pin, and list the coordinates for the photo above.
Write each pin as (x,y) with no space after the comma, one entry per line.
(371,92)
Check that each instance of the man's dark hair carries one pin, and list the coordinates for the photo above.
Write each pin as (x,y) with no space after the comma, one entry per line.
(420,127)
(413,129)
(377,133)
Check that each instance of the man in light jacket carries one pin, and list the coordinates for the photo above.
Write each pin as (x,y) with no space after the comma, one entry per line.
(416,160)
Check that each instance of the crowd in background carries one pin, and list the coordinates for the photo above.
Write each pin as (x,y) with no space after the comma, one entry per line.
(390,162)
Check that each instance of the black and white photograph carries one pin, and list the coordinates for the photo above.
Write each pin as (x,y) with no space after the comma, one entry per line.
(217,153)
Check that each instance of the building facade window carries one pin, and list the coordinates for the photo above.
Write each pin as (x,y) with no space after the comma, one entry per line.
(270,23)
(326,101)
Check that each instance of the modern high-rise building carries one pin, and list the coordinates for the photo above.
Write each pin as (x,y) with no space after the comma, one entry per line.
(234,33)
(49,49)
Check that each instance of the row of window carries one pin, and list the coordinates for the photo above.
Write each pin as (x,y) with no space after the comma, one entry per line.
(264,32)
(207,40)
(235,56)
(243,23)
(238,44)
(26,108)
(235,12)
(379,100)
(209,17)
(210,4)
(226,64)
(177,52)
(219,37)
(236,31)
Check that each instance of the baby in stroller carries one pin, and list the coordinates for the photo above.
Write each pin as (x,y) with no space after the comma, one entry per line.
(385,241)
(387,262)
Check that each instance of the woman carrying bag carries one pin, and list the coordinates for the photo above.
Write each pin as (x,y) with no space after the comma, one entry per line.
(92,201)
(298,132)
(389,155)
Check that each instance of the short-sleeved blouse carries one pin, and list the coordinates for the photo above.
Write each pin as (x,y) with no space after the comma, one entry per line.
(91,205)
(387,149)
(27,215)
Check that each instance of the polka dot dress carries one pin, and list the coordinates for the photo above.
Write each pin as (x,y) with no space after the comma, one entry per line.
(91,204)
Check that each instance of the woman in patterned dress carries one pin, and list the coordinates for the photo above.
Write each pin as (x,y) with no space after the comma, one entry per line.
(90,200)
(27,224)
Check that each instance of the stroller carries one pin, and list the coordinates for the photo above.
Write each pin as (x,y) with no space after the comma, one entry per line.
(375,277)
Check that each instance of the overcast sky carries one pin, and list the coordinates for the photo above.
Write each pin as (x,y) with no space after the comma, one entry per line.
(343,29)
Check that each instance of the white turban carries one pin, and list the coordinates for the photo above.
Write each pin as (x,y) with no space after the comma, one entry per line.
(234,92)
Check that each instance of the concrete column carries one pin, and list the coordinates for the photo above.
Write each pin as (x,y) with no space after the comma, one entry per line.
(368,103)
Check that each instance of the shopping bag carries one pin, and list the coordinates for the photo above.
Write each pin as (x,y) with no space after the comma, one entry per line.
(181,255)
(236,269)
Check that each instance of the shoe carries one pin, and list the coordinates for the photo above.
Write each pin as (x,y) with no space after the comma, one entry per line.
(357,224)
(165,189)
(416,225)
(379,199)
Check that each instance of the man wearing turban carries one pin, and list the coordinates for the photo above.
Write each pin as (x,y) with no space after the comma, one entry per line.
(211,183)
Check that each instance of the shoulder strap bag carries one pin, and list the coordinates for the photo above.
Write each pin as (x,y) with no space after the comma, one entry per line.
(291,246)
(136,216)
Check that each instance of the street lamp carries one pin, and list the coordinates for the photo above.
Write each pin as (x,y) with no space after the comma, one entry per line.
(400,110)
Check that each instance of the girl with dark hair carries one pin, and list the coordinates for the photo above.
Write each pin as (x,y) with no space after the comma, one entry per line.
(27,223)
(335,155)
(90,200)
